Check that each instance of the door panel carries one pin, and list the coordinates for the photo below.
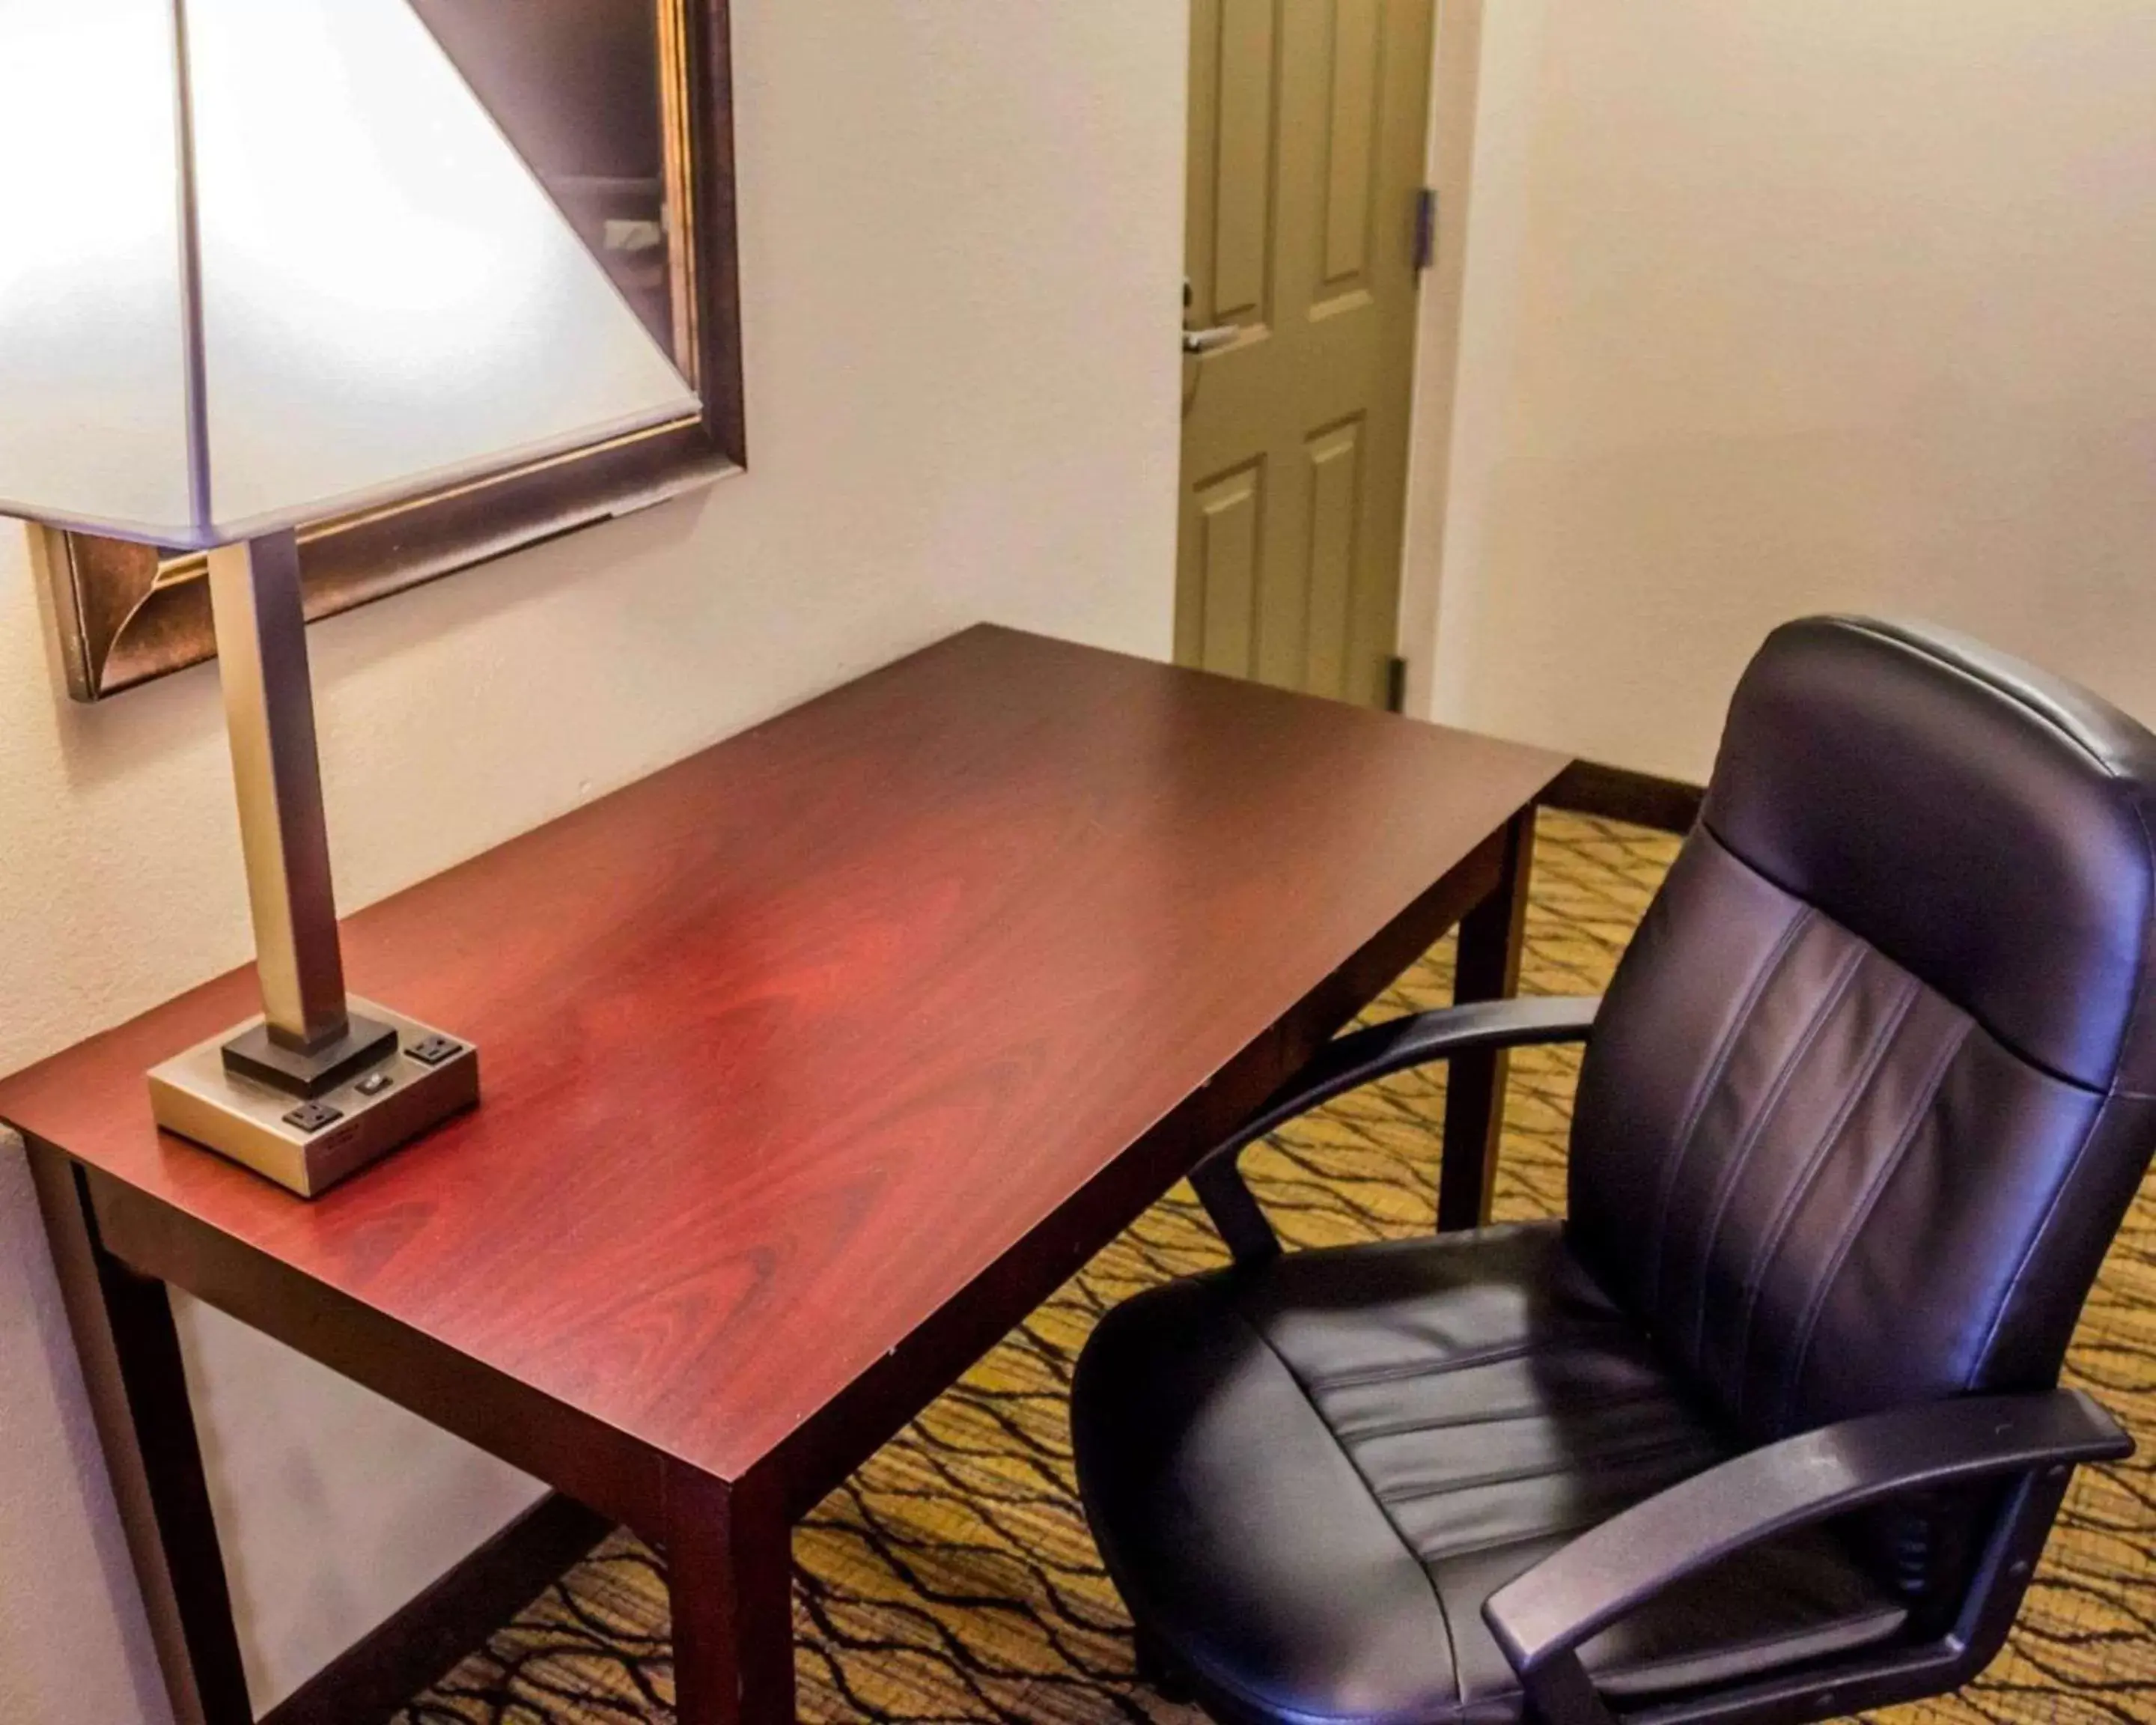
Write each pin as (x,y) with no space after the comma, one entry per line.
(1229,509)
(1351,142)
(1336,496)
(1243,143)
(1308,121)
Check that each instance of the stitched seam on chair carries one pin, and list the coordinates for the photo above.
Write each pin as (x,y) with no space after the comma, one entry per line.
(1615,1456)
(2029,1251)
(1762,1263)
(2062,724)
(1927,1094)
(1695,1108)
(2005,1042)
(1830,1003)
(2052,721)
(1348,1456)
(1563,1530)
(1458,1422)
(1423,1369)
(1708,1456)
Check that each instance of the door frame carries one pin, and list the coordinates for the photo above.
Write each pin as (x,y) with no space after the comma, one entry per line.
(1449,129)
(1433,415)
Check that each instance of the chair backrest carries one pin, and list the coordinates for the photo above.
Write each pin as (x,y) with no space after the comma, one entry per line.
(1876,1080)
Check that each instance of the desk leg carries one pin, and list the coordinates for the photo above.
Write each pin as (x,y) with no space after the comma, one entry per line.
(1488,968)
(138,1393)
(730,1567)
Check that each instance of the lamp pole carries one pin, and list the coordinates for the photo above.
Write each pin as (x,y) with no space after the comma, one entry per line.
(270,716)
(320,1085)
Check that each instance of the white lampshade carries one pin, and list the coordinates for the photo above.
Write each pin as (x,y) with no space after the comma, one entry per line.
(291,268)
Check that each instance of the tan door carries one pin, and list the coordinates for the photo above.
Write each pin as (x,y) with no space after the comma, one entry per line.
(1307,122)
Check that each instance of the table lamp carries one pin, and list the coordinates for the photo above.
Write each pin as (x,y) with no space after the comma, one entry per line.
(293,271)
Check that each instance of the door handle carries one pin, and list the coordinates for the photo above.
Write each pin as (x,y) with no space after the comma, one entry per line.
(1203,341)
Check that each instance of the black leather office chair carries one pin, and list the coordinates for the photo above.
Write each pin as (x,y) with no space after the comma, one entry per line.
(1768,1429)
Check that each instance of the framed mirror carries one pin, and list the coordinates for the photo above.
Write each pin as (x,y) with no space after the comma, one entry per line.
(624,110)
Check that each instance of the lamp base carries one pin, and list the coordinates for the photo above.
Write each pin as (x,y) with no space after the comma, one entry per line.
(421,1077)
(255,1053)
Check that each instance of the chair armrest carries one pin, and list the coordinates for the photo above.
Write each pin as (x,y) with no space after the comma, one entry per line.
(1541,1618)
(1349,1062)
(1362,1056)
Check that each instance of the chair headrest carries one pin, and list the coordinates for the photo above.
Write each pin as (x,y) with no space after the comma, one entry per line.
(1984,824)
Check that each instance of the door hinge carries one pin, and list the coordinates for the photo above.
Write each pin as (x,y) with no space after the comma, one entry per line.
(1425,232)
(1396,685)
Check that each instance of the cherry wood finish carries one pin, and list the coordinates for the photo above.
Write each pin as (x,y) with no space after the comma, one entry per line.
(131,1367)
(1487,968)
(1668,805)
(811,1064)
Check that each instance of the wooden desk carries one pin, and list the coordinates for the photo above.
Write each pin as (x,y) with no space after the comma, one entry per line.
(811,1065)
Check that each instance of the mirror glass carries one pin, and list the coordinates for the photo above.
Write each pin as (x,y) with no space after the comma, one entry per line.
(624,110)
(580,87)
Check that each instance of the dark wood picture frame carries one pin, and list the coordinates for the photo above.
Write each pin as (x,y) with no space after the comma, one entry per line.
(127,614)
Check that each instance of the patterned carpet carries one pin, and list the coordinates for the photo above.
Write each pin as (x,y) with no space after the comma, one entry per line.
(952,1579)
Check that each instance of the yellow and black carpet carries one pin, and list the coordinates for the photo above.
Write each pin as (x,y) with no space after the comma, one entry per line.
(952,1579)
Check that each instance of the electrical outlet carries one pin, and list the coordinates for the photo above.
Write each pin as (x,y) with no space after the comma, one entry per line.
(313,1117)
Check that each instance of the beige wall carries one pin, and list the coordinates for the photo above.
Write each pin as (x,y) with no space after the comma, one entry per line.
(1770,308)
(961,248)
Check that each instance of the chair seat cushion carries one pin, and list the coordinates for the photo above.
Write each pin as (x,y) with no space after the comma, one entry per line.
(1306,1476)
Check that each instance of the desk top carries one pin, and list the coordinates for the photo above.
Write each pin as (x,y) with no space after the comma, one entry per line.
(784,1047)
